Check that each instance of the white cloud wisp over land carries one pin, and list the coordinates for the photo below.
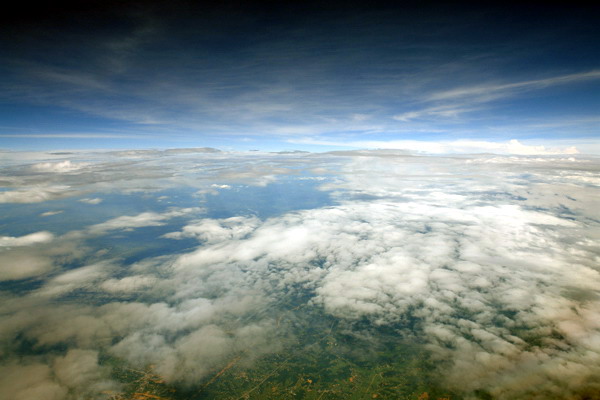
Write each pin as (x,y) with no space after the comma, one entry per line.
(489,264)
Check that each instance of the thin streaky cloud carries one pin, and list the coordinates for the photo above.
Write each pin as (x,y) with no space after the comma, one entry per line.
(69,136)
(526,85)
(446,111)
(449,147)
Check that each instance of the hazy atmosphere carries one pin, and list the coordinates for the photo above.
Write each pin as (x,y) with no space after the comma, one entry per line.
(243,201)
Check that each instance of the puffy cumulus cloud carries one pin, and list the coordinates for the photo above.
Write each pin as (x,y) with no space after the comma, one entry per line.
(502,290)
(193,356)
(494,269)
(128,284)
(30,381)
(483,292)
(20,264)
(79,369)
(185,340)
(75,375)
(258,175)
(128,222)
(217,230)
(43,181)
(32,238)
(93,174)
(187,325)
(75,279)
(37,254)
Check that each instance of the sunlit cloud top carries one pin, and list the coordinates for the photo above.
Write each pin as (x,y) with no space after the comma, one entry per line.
(463,276)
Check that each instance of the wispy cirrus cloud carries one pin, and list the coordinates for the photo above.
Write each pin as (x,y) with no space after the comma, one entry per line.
(70,135)
(284,80)
(454,103)
(482,93)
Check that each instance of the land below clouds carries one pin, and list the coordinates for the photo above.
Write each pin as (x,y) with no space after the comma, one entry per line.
(481,270)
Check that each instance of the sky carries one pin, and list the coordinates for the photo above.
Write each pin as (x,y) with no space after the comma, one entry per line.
(240,76)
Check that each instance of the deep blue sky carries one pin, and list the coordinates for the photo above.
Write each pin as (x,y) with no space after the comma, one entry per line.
(243,76)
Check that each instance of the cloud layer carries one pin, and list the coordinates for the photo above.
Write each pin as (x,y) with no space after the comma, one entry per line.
(489,263)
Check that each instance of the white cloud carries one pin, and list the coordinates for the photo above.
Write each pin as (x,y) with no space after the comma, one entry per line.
(37,254)
(141,220)
(35,194)
(445,111)
(19,264)
(510,88)
(58,167)
(75,375)
(78,278)
(409,115)
(26,240)
(83,135)
(79,369)
(450,260)
(215,231)
(93,201)
(450,147)
(51,213)
(128,284)
(29,381)
(494,264)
